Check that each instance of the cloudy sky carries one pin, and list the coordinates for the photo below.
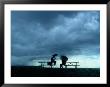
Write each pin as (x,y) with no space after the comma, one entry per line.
(36,35)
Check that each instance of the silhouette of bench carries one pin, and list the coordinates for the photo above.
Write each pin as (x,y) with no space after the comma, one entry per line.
(72,64)
(42,63)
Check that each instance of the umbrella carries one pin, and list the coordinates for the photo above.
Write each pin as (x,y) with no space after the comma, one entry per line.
(54,54)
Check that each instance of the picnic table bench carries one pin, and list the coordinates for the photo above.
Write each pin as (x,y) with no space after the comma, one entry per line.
(72,64)
(42,63)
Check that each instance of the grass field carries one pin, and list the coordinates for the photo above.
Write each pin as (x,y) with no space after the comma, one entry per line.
(34,71)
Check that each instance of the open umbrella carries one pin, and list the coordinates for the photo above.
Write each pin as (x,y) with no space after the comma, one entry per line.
(54,54)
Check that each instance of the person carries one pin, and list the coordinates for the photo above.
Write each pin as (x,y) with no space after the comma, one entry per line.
(64,60)
(53,58)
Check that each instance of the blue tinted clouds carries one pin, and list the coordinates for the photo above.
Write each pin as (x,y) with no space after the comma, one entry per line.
(43,33)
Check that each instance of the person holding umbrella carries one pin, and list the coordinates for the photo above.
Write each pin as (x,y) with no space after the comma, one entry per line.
(53,58)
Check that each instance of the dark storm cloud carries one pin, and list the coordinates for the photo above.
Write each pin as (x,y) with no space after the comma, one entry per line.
(45,33)
(46,18)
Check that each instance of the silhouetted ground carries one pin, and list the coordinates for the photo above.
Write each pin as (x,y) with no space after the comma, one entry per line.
(33,71)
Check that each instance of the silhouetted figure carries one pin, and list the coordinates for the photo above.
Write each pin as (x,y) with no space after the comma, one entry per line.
(52,60)
(64,60)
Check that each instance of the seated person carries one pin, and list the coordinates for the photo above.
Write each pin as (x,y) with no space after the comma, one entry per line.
(64,60)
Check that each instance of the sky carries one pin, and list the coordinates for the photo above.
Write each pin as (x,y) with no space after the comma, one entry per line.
(37,35)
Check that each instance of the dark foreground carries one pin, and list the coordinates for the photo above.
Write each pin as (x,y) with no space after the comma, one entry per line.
(33,71)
